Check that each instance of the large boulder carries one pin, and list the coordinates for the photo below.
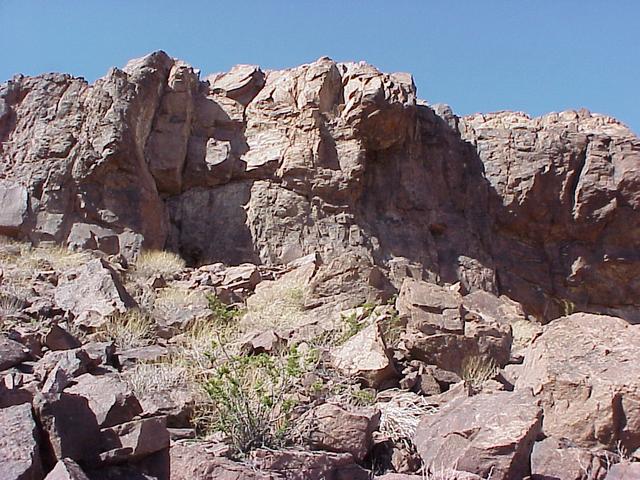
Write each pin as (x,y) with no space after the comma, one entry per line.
(19,446)
(486,434)
(583,371)
(66,469)
(69,426)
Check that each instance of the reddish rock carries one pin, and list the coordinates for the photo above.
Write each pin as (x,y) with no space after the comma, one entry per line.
(487,434)
(302,465)
(66,469)
(134,439)
(553,458)
(195,461)
(337,430)
(60,416)
(11,353)
(111,400)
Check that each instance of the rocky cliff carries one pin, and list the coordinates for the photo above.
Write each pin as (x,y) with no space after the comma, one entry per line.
(332,158)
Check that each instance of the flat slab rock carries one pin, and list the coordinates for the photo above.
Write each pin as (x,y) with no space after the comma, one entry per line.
(484,434)
(584,369)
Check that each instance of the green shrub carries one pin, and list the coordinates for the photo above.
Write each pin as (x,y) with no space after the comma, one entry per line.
(251,399)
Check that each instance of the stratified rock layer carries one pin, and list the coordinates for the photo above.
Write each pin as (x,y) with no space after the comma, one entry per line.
(328,158)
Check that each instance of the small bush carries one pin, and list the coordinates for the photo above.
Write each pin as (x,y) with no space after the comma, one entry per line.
(250,399)
(278,304)
(145,378)
(158,262)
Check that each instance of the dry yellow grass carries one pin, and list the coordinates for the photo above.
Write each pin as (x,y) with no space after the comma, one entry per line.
(129,330)
(277,304)
(158,262)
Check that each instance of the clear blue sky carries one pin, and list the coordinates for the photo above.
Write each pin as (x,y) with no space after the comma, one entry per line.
(478,56)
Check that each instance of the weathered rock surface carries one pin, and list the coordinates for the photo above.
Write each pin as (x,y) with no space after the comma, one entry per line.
(11,353)
(330,158)
(19,447)
(484,434)
(365,356)
(553,458)
(583,370)
(111,400)
(334,429)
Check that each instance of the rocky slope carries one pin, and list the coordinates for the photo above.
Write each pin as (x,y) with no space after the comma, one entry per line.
(388,268)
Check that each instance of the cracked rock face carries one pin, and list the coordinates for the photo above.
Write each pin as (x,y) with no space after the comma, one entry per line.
(328,158)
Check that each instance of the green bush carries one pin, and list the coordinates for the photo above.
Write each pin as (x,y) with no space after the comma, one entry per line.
(251,399)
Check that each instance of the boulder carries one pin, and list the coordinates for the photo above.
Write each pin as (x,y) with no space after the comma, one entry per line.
(111,400)
(334,429)
(19,445)
(92,292)
(303,465)
(15,201)
(583,371)
(430,308)
(486,434)
(624,471)
(365,356)
(69,426)
(57,338)
(134,440)
(66,469)
(196,461)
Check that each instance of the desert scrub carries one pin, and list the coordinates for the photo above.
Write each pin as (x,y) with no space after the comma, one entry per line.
(145,378)
(251,399)
(128,330)
(157,262)
(223,315)
(477,369)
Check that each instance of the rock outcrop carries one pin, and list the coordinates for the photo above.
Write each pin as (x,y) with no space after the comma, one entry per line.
(266,167)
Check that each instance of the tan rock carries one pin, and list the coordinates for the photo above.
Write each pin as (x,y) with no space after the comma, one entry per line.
(365,356)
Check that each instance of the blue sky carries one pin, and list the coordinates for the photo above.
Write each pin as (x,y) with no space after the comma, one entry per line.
(477,56)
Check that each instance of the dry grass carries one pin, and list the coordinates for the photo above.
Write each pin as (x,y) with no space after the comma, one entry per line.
(129,330)
(400,413)
(23,261)
(477,369)
(278,304)
(158,262)
(145,378)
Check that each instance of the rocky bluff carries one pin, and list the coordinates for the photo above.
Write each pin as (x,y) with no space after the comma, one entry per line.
(332,158)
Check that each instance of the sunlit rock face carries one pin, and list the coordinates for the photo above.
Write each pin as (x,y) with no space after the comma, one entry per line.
(327,158)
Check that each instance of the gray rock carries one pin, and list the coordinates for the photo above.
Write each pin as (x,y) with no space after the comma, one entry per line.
(19,446)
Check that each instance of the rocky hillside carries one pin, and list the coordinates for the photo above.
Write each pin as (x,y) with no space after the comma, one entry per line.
(311,274)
